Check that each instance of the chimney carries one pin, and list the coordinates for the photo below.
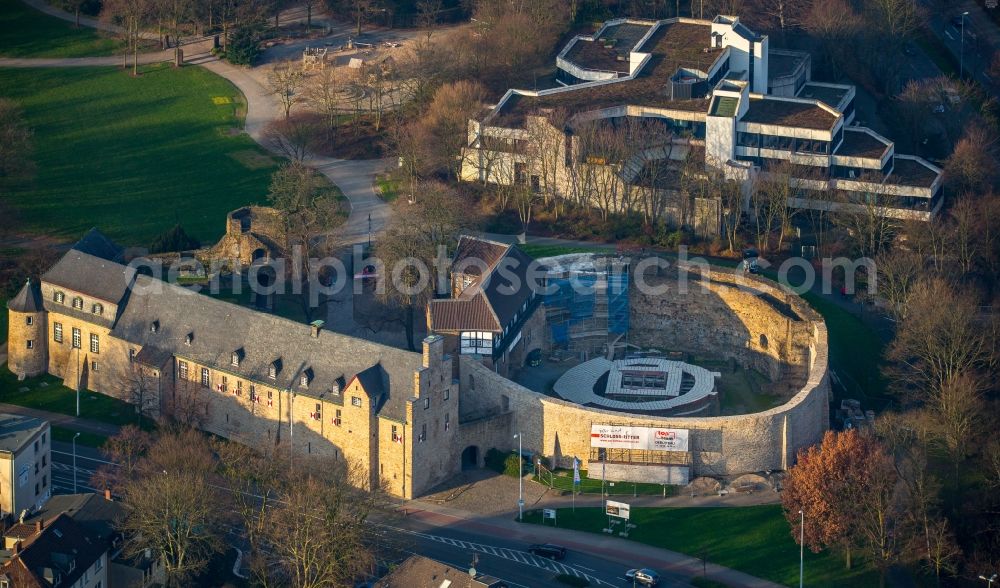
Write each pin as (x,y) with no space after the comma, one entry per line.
(433,350)
(107,494)
(317,326)
(39,525)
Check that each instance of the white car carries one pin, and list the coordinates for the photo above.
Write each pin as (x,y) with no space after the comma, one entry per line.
(643,577)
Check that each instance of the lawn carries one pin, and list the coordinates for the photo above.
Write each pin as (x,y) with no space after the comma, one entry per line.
(88,439)
(754,539)
(26,32)
(47,393)
(134,156)
(563,480)
(388,188)
(538,251)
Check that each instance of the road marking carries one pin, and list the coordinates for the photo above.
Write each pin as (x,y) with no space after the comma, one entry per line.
(947,34)
(510,554)
(585,568)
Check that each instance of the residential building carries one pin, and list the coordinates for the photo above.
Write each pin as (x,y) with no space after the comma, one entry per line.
(422,572)
(25,463)
(714,97)
(49,554)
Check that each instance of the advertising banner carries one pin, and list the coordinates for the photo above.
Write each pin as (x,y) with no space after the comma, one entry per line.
(649,438)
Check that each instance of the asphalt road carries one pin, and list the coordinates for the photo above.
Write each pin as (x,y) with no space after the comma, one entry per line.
(493,555)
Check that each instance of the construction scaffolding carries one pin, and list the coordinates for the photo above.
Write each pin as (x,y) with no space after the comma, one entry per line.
(587,308)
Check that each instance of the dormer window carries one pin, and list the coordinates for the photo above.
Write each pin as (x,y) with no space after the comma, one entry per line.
(78,303)
(237,357)
(59,297)
(188,339)
(154,327)
(273,369)
(304,381)
(97,309)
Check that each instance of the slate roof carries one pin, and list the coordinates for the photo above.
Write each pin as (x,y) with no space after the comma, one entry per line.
(98,244)
(29,299)
(506,290)
(61,542)
(90,275)
(91,511)
(218,329)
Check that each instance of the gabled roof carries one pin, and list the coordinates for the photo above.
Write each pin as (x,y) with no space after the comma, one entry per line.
(93,512)
(463,314)
(219,328)
(472,253)
(29,299)
(98,244)
(422,572)
(63,547)
(507,290)
(90,275)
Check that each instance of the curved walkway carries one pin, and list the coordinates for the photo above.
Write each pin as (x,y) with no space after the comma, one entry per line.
(355,178)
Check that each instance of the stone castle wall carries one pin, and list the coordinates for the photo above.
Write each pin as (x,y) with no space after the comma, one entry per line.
(20,360)
(722,320)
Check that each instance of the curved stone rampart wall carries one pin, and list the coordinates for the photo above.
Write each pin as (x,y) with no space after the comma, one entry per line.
(719,446)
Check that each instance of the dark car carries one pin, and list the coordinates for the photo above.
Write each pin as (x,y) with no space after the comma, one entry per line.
(547,550)
(534,358)
(643,577)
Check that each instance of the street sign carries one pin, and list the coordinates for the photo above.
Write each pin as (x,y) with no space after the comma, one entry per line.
(548,513)
(617,509)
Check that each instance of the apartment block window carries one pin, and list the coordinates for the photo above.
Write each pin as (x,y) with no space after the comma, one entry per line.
(95,343)
(78,303)
(30,343)
(182,370)
(45,458)
(427,403)
(36,446)
(57,332)
(77,338)
(356,400)
(29,320)
(43,443)
(45,481)
(36,468)
(36,489)
(59,297)
(204,377)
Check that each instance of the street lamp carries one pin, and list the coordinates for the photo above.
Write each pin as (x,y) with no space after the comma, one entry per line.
(802,543)
(520,479)
(74,462)
(369,231)
(989,581)
(961,59)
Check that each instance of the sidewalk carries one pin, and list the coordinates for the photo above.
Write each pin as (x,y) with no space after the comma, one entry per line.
(62,420)
(628,553)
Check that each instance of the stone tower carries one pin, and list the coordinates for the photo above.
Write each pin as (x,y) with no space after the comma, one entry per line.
(27,349)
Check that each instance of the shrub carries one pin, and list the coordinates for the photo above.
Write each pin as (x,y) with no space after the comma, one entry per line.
(512,466)
(495,460)
(244,44)
(174,239)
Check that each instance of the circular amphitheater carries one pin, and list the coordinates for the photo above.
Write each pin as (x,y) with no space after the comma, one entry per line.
(639,384)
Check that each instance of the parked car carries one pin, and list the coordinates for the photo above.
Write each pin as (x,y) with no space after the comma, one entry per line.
(643,577)
(547,550)
(534,358)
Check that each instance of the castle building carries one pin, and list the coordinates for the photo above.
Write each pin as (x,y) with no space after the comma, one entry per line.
(712,93)
(249,376)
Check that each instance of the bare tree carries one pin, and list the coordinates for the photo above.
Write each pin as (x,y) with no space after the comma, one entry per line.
(172,508)
(867,214)
(769,203)
(284,81)
(958,405)
(138,386)
(898,273)
(972,165)
(446,122)
(295,137)
(323,92)
(126,450)
(188,404)
(130,16)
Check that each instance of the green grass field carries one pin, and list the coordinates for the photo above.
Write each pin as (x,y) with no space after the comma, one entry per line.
(88,439)
(754,539)
(26,32)
(563,480)
(134,156)
(47,393)
(537,251)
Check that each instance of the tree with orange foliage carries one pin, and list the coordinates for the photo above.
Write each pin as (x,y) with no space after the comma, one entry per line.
(846,487)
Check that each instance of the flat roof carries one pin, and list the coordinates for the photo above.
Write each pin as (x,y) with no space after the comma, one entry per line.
(592,54)
(831,95)
(859,143)
(788,113)
(911,172)
(672,46)
(782,63)
(17,430)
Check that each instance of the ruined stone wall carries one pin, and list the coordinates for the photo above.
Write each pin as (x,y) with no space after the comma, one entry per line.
(724,321)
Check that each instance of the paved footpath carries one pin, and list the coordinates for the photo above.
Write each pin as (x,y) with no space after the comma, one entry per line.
(623,550)
(63,420)
(355,178)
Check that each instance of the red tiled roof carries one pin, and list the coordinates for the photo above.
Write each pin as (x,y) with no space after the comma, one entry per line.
(463,314)
(471,251)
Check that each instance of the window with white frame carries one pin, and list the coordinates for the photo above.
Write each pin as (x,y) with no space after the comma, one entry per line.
(77,338)
(447,421)
(59,297)
(30,320)
(57,332)
(423,433)
(78,303)
(427,403)
(356,400)
(473,342)
(182,370)
(95,343)
(204,377)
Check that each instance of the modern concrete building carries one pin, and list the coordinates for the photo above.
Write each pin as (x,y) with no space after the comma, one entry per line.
(25,463)
(716,96)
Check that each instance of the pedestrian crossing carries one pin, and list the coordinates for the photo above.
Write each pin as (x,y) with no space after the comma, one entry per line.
(521,557)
